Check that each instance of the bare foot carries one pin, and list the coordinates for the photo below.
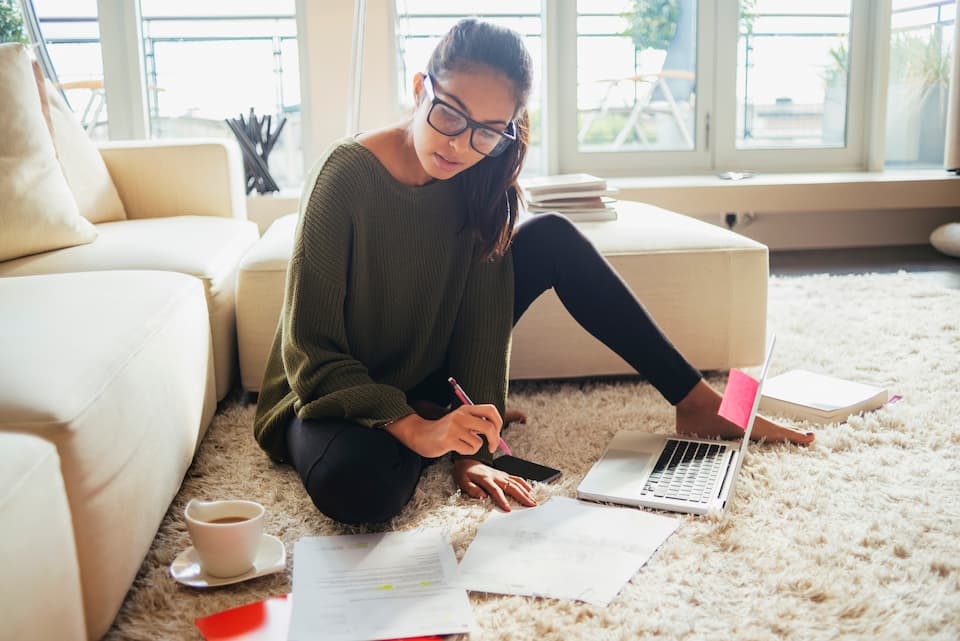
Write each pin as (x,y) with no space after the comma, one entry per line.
(697,416)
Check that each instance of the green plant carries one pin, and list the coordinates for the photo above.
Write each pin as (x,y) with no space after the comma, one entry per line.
(652,23)
(917,60)
(11,22)
(837,72)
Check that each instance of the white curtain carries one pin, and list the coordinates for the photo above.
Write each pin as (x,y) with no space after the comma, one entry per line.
(951,156)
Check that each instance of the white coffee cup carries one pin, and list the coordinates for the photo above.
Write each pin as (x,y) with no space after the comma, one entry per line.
(225,534)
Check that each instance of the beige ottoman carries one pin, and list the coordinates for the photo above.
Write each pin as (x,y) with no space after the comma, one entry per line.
(39,584)
(704,285)
(116,370)
(260,287)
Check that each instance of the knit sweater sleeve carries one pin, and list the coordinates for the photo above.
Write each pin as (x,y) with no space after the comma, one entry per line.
(326,379)
(479,352)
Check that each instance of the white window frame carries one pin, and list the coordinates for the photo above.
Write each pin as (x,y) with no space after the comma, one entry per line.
(852,156)
(325,28)
(715,140)
(124,79)
(626,163)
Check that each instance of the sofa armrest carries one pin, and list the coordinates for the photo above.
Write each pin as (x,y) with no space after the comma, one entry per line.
(160,178)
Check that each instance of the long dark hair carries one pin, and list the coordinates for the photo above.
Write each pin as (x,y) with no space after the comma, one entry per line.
(490,187)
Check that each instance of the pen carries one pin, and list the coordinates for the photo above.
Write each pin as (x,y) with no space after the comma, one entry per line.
(466,401)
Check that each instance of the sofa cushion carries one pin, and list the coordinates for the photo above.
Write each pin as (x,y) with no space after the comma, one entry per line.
(37,210)
(40,595)
(209,248)
(86,173)
(115,369)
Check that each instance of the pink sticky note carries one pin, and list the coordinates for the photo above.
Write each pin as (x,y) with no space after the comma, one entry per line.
(738,398)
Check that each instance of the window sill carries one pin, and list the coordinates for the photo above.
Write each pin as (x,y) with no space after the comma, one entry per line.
(898,193)
(707,195)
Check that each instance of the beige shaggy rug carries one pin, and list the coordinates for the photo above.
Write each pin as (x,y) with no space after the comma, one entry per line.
(856,537)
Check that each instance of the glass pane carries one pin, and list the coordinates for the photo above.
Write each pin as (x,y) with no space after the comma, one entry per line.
(209,61)
(72,37)
(65,8)
(921,38)
(636,66)
(422,23)
(217,8)
(792,73)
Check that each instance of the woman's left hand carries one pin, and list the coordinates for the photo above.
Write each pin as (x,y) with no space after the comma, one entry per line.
(479,480)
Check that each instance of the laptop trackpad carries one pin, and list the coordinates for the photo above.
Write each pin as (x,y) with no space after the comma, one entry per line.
(619,472)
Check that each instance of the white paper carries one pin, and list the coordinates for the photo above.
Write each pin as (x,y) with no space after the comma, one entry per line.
(377,586)
(564,549)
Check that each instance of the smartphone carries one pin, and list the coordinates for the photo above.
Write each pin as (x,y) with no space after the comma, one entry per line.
(526,469)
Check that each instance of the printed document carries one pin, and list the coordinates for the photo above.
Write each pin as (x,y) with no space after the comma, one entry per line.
(377,586)
(564,549)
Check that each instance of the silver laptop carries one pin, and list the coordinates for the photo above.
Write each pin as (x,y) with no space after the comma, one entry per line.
(695,476)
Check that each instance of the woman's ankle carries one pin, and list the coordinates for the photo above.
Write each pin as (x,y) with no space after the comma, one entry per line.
(702,398)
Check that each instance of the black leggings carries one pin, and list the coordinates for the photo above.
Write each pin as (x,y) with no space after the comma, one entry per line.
(356,475)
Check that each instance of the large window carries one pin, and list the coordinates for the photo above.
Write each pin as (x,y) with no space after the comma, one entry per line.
(621,87)
(634,87)
(686,86)
(213,60)
(203,62)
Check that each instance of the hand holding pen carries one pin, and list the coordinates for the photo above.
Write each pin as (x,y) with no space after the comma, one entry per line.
(462,395)
(458,431)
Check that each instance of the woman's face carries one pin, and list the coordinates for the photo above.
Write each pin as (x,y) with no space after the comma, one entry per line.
(483,95)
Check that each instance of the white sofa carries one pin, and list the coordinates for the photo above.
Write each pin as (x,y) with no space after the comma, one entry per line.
(37,554)
(117,280)
(115,369)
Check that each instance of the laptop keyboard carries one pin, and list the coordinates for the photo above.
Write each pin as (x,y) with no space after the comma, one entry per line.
(686,471)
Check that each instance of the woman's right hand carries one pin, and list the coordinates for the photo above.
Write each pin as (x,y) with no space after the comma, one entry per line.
(459,431)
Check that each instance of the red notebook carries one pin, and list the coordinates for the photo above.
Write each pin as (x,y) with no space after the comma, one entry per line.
(266,620)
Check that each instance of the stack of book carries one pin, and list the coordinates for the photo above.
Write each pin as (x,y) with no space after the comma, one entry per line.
(580,197)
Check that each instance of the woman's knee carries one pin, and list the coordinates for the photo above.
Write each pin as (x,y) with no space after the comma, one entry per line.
(552,231)
(553,223)
(364,477)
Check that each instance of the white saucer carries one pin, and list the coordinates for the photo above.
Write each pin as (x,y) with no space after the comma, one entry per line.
(271,557)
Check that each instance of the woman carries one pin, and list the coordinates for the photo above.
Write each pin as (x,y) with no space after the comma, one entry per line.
(407,268)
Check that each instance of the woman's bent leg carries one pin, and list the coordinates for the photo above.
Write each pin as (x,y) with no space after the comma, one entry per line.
(549,251)
(354,474)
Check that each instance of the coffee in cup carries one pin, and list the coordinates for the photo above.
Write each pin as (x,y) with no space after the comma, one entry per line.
(225,534)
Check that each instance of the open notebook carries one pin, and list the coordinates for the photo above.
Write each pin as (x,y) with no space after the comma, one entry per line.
(695,476)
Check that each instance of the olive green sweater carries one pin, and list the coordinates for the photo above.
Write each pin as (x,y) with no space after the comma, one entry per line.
(385,286)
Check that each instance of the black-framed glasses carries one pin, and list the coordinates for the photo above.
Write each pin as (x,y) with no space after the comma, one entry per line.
(450,121)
